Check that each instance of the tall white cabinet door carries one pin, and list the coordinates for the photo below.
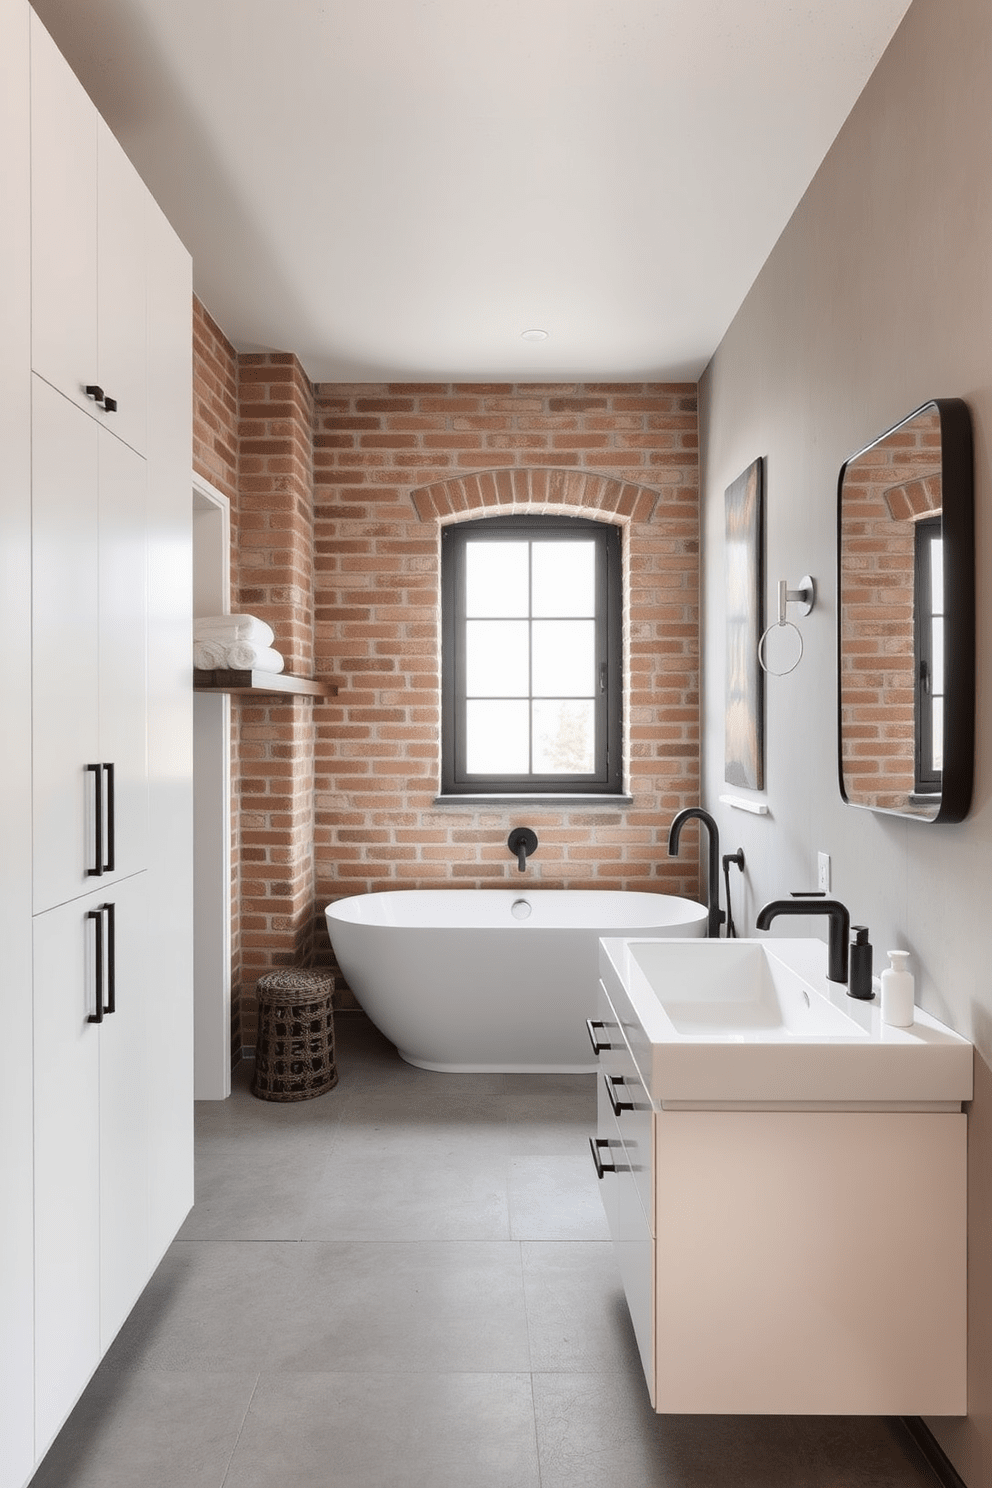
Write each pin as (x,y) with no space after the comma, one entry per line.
(64,347)
(121,290)
(65,614)
(67,1161)
(122,602)
(124,1167)
(16,1157)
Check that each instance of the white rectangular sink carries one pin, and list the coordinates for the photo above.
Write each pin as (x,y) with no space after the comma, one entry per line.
(728,1022)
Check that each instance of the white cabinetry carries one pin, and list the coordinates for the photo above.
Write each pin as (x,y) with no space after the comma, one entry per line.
(785,1261)
(89,561)
(96,1149)
(88,251)
(91,1135)
(16,1156)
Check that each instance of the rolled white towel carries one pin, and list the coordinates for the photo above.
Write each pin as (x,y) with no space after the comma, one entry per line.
(209,654)
(231,628)
(245,657)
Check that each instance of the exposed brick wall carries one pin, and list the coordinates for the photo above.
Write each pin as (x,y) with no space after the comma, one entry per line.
(886,490)
(274,580)
(338,496)
(391,464)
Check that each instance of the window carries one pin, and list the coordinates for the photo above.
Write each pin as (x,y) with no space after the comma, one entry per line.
(928,624)
(531,652)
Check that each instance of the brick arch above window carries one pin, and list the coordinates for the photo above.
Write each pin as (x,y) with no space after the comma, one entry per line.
(545,491)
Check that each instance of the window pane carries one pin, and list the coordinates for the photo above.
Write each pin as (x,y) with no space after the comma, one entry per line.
(564,658)
(563,738)
(937,739)
(496,658)
(496,738)
(496,578)
(937,655)
(564,578)
(937,576)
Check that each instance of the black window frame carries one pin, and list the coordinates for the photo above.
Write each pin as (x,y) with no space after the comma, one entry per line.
(607,778)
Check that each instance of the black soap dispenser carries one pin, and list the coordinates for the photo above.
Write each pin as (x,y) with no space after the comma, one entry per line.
(859,964)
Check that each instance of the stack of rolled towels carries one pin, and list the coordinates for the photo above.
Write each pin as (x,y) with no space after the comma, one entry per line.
(240,643)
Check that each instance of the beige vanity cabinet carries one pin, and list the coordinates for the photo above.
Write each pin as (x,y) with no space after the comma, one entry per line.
(88,272)
(785,1261)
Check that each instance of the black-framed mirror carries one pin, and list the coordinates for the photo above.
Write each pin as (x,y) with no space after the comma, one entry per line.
(906,618)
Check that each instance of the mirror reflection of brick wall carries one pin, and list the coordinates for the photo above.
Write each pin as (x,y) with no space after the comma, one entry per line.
(887,490)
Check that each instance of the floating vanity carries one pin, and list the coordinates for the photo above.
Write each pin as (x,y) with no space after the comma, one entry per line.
(785,1182)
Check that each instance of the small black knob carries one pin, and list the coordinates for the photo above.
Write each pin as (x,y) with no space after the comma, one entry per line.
(94,392)
(110,405)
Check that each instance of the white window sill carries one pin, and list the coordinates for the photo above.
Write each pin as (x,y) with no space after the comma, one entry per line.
(570,798)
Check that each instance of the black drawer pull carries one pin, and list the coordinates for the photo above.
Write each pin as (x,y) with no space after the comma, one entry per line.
(111,958)
(601,1167)
(97,916)
(591,1024)
(611,1082)
(111,833)
(106,961)
(97,772)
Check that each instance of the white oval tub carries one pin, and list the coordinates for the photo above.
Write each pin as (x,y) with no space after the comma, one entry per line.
(491,979)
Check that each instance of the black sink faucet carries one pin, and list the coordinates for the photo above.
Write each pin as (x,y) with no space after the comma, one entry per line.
(715,917)
(840,927)
(522,842)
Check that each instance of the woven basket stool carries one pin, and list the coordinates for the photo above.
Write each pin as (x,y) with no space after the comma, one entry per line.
(294,1049)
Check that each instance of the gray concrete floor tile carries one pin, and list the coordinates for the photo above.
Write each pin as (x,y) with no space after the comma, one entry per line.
(403,1195)
(149,1429)
(256,1194)
(211,1306)
(450,1306)
(550,1115)
(555,1198)
(392,1431)
(577,1315)
(412,1274)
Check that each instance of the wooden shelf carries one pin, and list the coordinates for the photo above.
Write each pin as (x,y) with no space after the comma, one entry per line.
(260,682)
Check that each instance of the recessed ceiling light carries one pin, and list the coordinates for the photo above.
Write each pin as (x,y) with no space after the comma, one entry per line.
(534,335)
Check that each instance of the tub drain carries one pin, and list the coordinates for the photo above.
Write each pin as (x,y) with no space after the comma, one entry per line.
(520,909)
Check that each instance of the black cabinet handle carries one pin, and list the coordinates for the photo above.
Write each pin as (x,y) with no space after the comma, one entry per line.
(97,916)
(111,913)
(594,1145)
(592,1023)
(611,1082)
(106,960)
(111,831)
(97,772)
(109,405)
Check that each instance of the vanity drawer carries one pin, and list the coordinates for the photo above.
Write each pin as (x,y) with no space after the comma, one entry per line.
(622,1090)
(633,1242)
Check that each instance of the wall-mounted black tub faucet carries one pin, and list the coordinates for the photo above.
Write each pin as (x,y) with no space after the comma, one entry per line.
(840,927)
(714,918)
(522,842)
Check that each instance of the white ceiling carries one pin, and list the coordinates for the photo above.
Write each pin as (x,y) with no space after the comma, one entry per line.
(396,189)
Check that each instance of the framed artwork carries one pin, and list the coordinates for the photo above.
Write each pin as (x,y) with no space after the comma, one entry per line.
(744,713)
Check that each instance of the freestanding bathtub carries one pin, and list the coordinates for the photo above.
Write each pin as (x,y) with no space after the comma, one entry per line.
(491,979)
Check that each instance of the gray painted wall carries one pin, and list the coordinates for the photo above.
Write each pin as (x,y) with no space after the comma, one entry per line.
(877,297)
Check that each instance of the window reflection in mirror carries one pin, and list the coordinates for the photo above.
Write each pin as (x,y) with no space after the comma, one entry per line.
(906,618)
